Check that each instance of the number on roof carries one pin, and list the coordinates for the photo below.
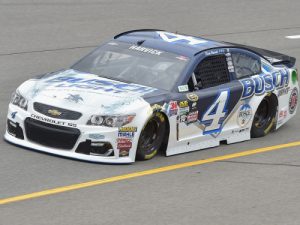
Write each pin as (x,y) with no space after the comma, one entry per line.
(177,38)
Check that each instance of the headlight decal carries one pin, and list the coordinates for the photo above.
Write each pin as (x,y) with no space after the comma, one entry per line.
(18,100)
(110,121)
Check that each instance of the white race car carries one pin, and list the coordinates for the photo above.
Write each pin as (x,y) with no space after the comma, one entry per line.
(146,91)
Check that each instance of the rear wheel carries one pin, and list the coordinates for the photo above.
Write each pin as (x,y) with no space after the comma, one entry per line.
(151,137)
(264,118)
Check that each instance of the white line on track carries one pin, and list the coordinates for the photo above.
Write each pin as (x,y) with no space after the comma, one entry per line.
(293,37)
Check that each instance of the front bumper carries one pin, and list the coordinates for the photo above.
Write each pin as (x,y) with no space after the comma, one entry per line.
(87,136)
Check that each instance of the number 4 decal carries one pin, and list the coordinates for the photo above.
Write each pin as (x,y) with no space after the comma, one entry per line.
(216,113)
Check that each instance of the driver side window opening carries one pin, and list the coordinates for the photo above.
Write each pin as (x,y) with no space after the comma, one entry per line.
(211,71)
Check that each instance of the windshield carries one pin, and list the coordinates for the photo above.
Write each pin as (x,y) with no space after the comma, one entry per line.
(134,64)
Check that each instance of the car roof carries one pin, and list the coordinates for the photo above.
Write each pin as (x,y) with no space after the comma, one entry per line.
(170,42)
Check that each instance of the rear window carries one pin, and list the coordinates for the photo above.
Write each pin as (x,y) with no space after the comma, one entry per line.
(245,64)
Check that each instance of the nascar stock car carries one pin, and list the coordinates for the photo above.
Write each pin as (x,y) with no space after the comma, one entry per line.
(148,90)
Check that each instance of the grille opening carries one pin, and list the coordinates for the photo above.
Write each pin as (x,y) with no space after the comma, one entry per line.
(212,71)
(14,129)
(64,113)
(95,148)
(51,135)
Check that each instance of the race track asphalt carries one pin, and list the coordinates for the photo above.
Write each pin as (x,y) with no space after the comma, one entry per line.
(38,36)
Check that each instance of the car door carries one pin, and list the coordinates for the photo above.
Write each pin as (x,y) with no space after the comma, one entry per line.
(213,96)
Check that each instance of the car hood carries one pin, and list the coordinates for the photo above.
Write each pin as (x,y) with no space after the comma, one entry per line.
(75,90)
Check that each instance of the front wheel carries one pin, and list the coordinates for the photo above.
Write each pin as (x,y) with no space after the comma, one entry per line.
(151,137)
(264,118)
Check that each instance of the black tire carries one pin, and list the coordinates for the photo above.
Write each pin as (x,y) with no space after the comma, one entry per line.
(151,137)
(264,118)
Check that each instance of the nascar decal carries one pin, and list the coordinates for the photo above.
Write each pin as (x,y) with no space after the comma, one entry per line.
(261,84)
(97,83)
(192,97)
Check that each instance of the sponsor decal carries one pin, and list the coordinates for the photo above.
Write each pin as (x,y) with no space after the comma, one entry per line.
(229,62)
(240,130)
(172,109)
(52,121)
(194,104)
(74,98)
(261,84)
(54,112)
(282,115)
(192,97)
(183,88)
(96,136)
(124,145)
(183,58)
(98,84)
(13,115)
(192,117)
(214,52)
(145,50)
(244,115)
(283,91)
(126,134)
(183,118)
(293,101)
(127,129)
(183,111)
(183,104)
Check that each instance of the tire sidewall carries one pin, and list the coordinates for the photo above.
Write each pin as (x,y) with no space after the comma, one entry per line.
(268,127)
(145,154)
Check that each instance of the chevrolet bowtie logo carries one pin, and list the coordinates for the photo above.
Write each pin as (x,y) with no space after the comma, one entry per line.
(54,112)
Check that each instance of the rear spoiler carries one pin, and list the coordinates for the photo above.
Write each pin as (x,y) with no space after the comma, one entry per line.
(274,58)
